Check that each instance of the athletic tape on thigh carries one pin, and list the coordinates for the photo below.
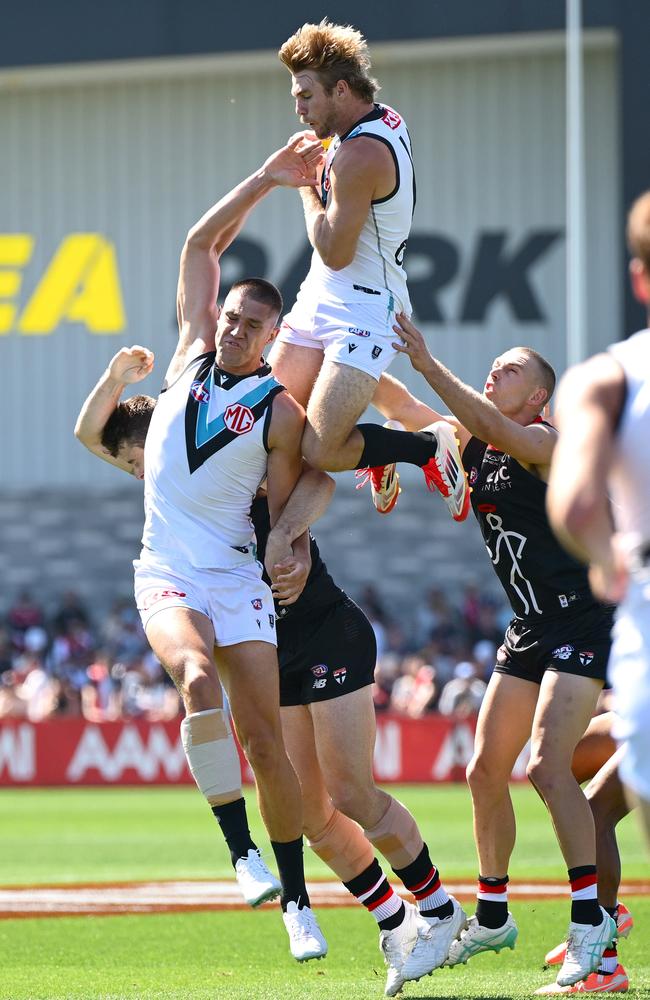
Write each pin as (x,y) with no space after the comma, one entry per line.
(212,755)
(343,847)
(396,836)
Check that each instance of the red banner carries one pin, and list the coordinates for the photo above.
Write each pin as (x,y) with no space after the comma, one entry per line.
(76,752)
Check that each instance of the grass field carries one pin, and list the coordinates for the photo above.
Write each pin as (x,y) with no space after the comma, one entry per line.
(89,835)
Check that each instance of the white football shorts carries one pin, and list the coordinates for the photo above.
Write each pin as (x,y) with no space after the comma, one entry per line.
(237,601)
(629,674)
(357,332)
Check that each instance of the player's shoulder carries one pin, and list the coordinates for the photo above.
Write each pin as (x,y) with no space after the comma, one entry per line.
(288,416)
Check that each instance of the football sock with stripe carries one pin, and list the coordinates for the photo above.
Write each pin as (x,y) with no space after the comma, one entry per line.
(492,901)
(584,895)
(382,445)
(422,878)
(373,891)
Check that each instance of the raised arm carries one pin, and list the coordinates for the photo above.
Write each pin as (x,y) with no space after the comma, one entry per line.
(590,399)
(199,273)
(363,169)
(477,416)
(128,366)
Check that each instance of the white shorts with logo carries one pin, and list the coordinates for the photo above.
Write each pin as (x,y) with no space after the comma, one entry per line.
(357,332)
(237,601)
(629,674)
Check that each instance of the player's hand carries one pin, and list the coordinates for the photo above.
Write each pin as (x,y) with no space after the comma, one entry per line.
(297,164)
(131,364)
(288,580)
(411,343)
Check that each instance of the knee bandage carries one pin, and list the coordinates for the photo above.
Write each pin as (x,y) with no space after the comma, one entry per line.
(396,836)
(343,847)
(212,755)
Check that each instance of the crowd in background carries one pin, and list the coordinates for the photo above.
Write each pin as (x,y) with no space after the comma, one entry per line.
(72,663)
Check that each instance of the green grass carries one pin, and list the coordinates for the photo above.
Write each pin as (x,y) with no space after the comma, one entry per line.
(244,956)
(95,835)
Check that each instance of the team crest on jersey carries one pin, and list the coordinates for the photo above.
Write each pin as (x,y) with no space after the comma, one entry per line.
(391,118)
(199,392)
(586,657)
(563,652)
(257,603)
(340,674)
(238,418)
(319,670)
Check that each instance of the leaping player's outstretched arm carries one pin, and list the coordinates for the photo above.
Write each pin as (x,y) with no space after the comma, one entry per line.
(477,416)
(128,366)
(590,400)
(210,237)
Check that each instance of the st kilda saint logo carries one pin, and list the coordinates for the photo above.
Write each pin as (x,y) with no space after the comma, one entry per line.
(238,418)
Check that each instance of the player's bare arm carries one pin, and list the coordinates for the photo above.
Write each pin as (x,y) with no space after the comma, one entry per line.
(395,402)
(285,462)
(531,445)
(590,400)
(307,503)
(199,273)
(128,366)
(362,171)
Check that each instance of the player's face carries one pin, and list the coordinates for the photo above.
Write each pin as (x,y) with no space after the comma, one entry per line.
(314,106)
(133,455)
(511,381)
(244,329)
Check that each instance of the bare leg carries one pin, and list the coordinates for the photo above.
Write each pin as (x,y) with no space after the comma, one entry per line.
(249,672)
(341,394)
(566,704)
(594,749)
(296,368)
(608,806)
(503,728)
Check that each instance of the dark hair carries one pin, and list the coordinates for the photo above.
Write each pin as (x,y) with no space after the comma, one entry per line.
(262,291)
(128,424)
(546,371)
(334,52)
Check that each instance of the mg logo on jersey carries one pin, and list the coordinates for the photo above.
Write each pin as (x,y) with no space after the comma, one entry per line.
(200,393)
(392,119)
(238,418)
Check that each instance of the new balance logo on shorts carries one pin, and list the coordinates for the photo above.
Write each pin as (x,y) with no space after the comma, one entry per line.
(320,682)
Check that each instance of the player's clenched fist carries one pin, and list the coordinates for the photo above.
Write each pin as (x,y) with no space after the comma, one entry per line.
(131,364)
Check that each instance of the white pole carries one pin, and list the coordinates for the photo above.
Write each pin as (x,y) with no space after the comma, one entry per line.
(576,313)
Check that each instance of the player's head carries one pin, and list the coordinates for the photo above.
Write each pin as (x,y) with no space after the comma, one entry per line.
(125,431)
(248,321)
(638,239)
(521,382)
(330,71)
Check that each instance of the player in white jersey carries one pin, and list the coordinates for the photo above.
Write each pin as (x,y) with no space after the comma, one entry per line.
(599,504)
(337,339)
(222,424)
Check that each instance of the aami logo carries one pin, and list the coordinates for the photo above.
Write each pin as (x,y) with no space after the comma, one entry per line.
(392,119)
(238,418)
(199,392)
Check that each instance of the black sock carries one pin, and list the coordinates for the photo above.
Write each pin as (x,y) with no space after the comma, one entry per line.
(233,821)
(422,878)
(585,911)
(383,446)
(373,891)
(490,912)
(291,871)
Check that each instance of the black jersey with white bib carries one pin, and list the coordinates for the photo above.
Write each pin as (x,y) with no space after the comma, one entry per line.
(538,576)
(320,590)
(205,456)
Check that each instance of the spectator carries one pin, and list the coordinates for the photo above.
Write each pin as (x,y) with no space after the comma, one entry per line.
(463,695)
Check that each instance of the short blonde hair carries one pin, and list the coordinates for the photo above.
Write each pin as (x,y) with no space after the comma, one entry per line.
(335,52)
(638,230)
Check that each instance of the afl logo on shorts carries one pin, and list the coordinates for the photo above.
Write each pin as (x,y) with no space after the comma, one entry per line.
(238,418)
(257,603)
(562,652)
(200,393)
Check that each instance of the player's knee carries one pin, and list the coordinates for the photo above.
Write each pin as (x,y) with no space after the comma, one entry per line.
(262,745)
(200,688)
(351,799)
(317,453)
(544,774)
(482,776)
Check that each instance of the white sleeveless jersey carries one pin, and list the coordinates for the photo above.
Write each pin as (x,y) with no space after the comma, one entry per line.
(205,456)
(378,260)
(629,479)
